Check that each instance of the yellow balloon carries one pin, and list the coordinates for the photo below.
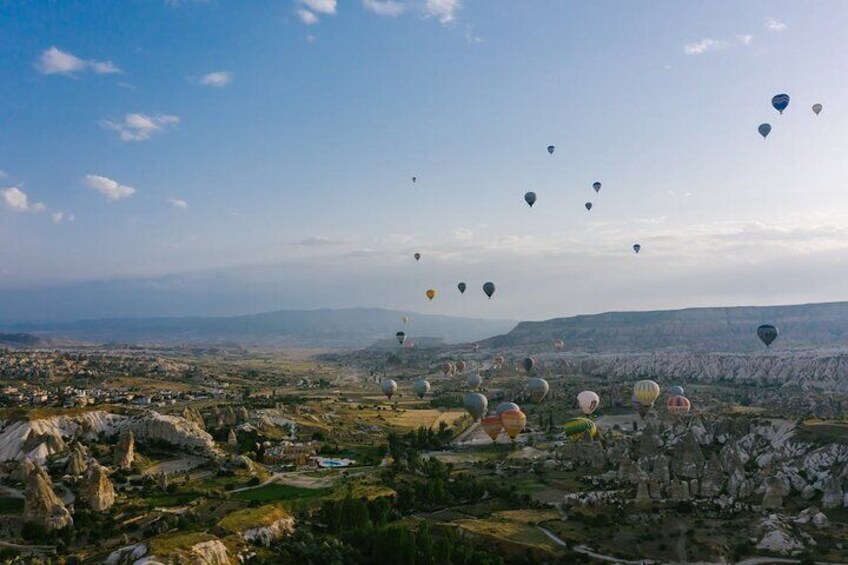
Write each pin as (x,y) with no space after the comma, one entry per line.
(431,294)
(513,422)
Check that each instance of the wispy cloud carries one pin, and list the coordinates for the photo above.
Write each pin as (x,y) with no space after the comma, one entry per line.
(308,10)
(218,79)
(443,10)
(711,45)
(775,25)
(54,61)
(3,174)
(59,217)
(178,203)
(18,201)
(109,188)
(321,241)
(389,8)
(140,127)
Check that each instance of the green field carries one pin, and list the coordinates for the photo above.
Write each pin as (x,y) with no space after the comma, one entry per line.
(274,492)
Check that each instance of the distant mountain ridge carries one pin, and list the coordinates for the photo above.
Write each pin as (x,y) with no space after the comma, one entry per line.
(696,330)
(350,327)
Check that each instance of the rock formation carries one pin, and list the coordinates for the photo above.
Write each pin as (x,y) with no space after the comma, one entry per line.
(97,490)
(232,440)
(76,460)
(41,505)
(125,450)
(643,497)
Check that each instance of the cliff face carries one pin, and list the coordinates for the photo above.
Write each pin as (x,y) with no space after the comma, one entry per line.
(41,505)
(97,490)
(696,330)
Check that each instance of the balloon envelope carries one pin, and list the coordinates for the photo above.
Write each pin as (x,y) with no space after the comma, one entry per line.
(817,108)
(499,360)
(678,406)
(578,428)
(675,390)
(475,403)
(405,319)
(389,387)
(417,256)
(596,186)
(461,287)
(414,179)
(637,248)
(767,333)
(528,364)
(538,389)
(447,368)
(505,407)
(588,401)
(559,344)
(492,425)
(430,294)
(780,102)
(401,337)
(551,149)
(646,392)
(513,422)
(489,289)
(530,198)
(460,366)
(588,205)
(474,381)
(764,130)
(422,387)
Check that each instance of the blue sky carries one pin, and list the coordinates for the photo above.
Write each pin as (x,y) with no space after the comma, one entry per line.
(222,157)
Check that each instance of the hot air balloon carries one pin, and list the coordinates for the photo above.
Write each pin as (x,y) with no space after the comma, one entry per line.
(637,248)
(460,366)
(401,337)
(489,289)
(430,294)
(476,347)
(597,186)
(414,179)
(588,205)
(646,391)
(678,406)
(422,387)
(764,130)
(492,425)
(506,407)
(559,344)
(767,333)
(499,360)
(461,287)
(817,108)
(579,428)
(417,256)
(675,390)
(551,149)
(474,381)
(447,368)
(780,102)
(475,403)
(409,344)
(389,387)
(528,364)
(513,422)
(530,198)
(405,319)
(588,401)
(538,389)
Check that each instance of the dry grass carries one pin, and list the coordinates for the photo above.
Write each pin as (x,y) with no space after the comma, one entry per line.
(512,533)
(529,516)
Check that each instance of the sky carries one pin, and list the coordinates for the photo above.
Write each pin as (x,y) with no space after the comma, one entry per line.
(223,157)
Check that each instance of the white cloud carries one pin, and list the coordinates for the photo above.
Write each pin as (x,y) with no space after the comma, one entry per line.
(443,10)
(140,127)
(384,7)
(307,17)
(54,61)
(320,6)
(322,241)
(18,201)
(109,188)
(705,46)
(470,37)
(178,203)
(59,217)
(218,79)
(745,39)
(775,25)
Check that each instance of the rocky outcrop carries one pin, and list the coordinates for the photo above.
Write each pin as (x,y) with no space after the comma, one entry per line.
(76,460)
(40,438)
(264,535)
(124,454)
(775,490)
(176,431)
(643,496)
(688,460)
(97,490)
(212,552)
(232,440)
(41,506)
(832,495)
(712,483)
(679,491)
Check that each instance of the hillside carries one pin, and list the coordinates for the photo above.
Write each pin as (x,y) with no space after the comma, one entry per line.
(353,327)
(700,330)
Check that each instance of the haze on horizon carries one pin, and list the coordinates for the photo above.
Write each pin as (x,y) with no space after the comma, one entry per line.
(219,158)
